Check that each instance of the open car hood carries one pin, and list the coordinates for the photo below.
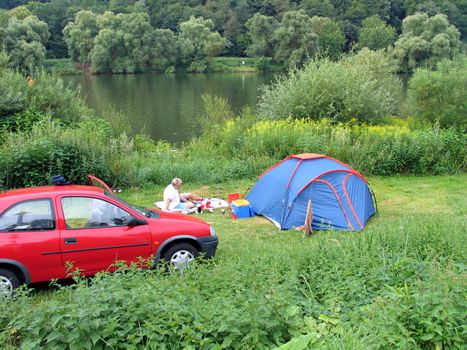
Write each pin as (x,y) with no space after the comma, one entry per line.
(95,181)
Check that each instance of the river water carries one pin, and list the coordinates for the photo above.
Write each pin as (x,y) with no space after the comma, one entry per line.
(166,107)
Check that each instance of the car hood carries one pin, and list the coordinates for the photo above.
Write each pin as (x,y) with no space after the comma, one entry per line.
(177,216)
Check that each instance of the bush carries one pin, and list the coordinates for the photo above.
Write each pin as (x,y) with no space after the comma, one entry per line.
(13,92)
(360,86)
(32,157)
(43,93)
(440,95)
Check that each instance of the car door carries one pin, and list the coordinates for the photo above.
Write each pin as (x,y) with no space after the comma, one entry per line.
(29,236)
(96,234)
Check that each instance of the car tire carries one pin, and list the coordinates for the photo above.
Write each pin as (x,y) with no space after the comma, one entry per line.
(180,255)
(8,282)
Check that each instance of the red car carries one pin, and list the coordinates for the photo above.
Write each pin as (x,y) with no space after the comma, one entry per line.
(44,229)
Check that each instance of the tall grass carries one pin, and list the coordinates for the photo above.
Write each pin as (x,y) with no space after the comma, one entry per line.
(240,148)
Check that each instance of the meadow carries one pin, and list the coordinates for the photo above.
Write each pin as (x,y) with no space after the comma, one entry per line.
(399,284)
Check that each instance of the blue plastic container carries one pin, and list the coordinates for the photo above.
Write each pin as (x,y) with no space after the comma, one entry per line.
(242,210)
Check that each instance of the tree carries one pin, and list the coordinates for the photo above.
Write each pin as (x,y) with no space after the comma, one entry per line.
(169,14)
(4,17)
(24,42)
(294,40)
(318,8)
(165,49)
(9,4)
(425,41)
(330,37)
(350,33)
(80,35)
(260,28)
(456,11)
(20,12)
(376,34)
(440,95)
(123,44)
(53,13)
(197,43)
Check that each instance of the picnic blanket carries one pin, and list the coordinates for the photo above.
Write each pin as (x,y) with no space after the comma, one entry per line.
(205,204)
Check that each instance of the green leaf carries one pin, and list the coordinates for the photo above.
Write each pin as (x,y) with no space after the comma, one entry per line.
(298,343)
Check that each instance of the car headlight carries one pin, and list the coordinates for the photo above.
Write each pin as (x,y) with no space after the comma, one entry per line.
(213,232)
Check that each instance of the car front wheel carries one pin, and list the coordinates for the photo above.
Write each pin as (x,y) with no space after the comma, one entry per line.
(181,255)
(8,283)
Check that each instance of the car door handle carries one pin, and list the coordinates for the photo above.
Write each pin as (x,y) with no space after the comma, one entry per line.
(71,240)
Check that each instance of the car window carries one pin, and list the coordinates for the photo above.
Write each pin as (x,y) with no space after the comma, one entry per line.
(86,212)
(34,215)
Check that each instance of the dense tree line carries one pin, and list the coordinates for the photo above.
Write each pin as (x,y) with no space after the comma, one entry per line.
(288,31)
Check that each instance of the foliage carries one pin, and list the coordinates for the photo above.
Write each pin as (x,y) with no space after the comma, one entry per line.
(79,36)
(123,43)
(454,9)
(440,95)
(398,284)
(260,28)
(330,37)
(61,66)
(295,41)
(20,12)
(40,94)
(376,150)
(54,13)
(425,41)
(31,156)
(376,34)
(165,51)
(360,86)
(318,8)
(197,43)
(232,148)
(24,41)
(216,113)
(230,17)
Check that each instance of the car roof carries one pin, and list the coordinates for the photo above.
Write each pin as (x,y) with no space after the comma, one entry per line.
(47,190)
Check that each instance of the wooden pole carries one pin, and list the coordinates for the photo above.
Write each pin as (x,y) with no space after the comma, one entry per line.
(308,220)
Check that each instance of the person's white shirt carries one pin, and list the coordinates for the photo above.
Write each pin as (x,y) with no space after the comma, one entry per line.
(171,193)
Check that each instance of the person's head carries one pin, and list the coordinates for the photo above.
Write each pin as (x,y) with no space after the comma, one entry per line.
(177,183)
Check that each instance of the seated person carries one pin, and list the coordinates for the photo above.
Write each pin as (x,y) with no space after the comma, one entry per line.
(174,200)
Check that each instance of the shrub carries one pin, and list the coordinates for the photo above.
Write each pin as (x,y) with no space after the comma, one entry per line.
(32,157)
(360,86)
(13,92)
(440,95)
(43,93)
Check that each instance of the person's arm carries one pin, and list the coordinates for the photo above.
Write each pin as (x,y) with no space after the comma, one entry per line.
(167,204)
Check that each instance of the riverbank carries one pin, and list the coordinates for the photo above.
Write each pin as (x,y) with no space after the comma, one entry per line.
(64,66)
(399,283)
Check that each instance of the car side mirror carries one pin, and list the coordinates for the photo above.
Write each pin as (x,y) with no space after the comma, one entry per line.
(134,221)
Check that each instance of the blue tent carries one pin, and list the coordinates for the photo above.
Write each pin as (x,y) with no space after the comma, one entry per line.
(340,197)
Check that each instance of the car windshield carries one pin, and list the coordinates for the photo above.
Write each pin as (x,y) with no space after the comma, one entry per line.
(141,210)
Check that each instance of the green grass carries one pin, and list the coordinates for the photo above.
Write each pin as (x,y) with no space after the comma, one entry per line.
(241,64)
(61,66)
(399,284)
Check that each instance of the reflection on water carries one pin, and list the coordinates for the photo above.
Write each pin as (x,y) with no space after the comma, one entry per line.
(166,106)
